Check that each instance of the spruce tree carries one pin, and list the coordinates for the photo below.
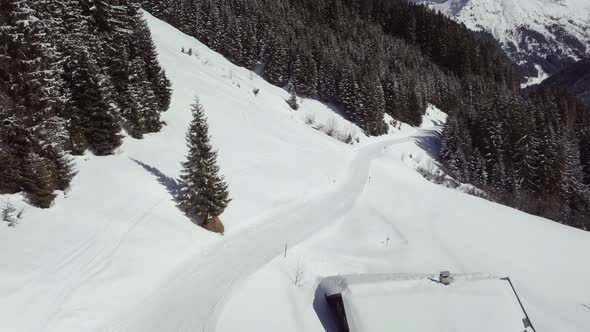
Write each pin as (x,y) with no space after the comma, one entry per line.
(9,176)
(143,47)
(292,101)
(63,166)
(40,181)
(575,195)
(203,192)
(100,127)
(164,91)
(142,109)
(8,213)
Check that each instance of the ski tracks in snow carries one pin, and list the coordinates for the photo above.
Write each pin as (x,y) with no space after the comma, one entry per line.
(91,260)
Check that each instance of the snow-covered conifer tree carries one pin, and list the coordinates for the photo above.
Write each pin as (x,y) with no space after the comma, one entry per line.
(292,101)
(203,192)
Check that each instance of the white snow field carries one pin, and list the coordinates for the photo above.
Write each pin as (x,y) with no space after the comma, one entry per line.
(541,76)
(115,254)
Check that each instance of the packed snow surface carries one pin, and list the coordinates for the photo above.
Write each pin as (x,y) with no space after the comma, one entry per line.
(115,254)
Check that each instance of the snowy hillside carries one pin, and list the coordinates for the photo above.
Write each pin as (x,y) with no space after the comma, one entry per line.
(546,33)
(115,254)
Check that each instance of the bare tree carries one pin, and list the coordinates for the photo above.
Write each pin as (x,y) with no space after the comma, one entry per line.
(330,127)
(299,273)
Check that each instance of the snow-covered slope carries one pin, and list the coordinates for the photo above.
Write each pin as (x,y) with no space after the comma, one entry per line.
(115,254)
(547,33)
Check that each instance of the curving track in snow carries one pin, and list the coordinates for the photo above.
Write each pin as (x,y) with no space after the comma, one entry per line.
(193,296)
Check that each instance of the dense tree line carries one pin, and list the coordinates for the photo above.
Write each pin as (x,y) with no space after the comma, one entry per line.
(369,57)
(530,153)
(335,51)
(372,57)
(73,74)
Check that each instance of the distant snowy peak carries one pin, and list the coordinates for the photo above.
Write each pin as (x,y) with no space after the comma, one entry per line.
(547,33)
(448,7)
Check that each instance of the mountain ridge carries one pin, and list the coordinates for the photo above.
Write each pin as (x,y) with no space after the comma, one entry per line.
(550,33)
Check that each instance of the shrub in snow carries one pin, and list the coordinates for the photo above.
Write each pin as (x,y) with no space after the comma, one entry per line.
(298,275)
(347,139)
(330,127)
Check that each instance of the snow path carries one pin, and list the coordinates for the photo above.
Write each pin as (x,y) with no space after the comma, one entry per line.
(193,296)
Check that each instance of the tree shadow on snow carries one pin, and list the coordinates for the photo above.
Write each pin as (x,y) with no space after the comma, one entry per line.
(169,183)
(430,142)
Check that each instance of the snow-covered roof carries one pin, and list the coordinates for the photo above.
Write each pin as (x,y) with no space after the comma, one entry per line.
(419,303)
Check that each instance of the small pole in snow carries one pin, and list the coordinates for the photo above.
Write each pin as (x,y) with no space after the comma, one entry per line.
(285,250)
(388,241)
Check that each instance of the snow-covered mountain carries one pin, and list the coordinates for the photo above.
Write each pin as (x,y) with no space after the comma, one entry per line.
(116,254)
(546,34)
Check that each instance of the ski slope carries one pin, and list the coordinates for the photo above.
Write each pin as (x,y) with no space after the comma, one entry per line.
(115,254)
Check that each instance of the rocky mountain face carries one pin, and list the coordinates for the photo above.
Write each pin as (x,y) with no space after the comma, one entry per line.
(542,36)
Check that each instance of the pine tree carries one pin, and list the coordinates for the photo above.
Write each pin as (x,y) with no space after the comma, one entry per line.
(292,101)
(8,213)
(164,91)
(9,177)
(277,68)
(204,193)
(142,109)
(100,127)
(143,46)
(39,181)
(574,193)
(63,166)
